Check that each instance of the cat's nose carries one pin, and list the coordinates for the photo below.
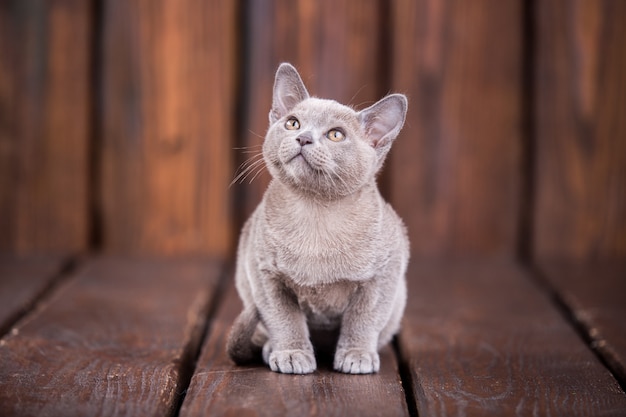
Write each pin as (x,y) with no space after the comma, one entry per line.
(305,139)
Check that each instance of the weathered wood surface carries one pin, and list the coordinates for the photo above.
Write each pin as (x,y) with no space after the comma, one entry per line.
(168,111)
(481,339)
(456,167)
(580,130)
(45,115)
(595,293)
(115,341)
(339,48)
(22,281)
(218,387)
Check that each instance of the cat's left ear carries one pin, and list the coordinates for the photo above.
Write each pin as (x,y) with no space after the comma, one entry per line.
(289,90)
(383,121)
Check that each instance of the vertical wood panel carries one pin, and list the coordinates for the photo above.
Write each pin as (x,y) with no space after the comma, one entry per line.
(456,166)
(168,100)
(581,130)
(337,48)
(44,124)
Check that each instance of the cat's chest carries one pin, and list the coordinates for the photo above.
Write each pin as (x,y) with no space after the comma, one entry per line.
(323,247)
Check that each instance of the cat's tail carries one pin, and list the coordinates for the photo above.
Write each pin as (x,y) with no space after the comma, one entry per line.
(240,345)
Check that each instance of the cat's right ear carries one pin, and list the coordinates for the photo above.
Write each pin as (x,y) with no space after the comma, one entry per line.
(289,90)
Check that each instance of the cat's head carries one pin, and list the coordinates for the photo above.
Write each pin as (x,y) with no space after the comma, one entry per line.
(323,148)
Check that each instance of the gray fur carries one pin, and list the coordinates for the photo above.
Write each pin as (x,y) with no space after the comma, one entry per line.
(323,250)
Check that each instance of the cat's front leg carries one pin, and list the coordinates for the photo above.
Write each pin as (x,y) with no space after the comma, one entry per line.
(289,349)
(361,325)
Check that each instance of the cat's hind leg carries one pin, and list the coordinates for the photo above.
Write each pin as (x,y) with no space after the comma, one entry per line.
(243,341)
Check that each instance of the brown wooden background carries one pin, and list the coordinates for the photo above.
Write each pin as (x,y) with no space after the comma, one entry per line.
(119,119)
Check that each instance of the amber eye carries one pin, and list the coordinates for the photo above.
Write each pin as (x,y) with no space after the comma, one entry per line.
(335,135)
(292,124)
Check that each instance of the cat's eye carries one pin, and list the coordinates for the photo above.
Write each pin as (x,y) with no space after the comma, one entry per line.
(335,135)
(292,124)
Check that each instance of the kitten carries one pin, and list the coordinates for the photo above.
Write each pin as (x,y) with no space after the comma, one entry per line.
(323,250)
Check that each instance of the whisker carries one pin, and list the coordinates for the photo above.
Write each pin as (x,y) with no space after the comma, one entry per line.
(252,168)
(246,167)
(256,134)
(251,159)
(247,148)
(357,93)
(338,174)
(259,170)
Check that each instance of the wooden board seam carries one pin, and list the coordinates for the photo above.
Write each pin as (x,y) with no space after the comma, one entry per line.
(59,279)
(192,353)
(405,378)
(583,331)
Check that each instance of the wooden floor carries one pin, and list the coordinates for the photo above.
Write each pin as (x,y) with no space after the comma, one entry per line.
(140,337)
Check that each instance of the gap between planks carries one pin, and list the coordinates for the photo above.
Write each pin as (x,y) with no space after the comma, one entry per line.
(60,271)
(118,324)
(188,368)
(543,276)
(218,387)
(481,338)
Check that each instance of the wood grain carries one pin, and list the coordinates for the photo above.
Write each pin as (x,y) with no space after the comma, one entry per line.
(113,342)
(456,167)
(218,387)
(581,130)
(168,111)
(22,281)
(44,125)
(338,47)
(481,339)
(594,293)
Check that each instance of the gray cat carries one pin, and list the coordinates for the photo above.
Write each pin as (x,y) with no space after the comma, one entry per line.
(323,250)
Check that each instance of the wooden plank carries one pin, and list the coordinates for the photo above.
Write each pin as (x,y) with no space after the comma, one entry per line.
(481,339)
(168,111)
(337,46)
(218,387)
(581,130)
(456,167)
(113,342)
(45,116)
(22,281)
(594,293)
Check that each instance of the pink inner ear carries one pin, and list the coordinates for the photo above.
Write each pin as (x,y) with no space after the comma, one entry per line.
(377,130)
(382,121)
(288,91)
(376,134)
(288,102)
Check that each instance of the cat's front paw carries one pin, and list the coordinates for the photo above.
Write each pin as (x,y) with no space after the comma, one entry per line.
(296,361)
(356,361)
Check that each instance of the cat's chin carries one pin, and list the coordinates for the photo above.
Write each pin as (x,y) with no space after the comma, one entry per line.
(299,167)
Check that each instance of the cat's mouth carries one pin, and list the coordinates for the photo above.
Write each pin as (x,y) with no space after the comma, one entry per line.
(300,157)
(300,163)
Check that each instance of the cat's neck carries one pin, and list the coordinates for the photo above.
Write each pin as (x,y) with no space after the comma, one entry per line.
(281,193)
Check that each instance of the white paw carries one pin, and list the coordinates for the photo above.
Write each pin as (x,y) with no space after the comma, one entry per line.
(356,361)
(294,361)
